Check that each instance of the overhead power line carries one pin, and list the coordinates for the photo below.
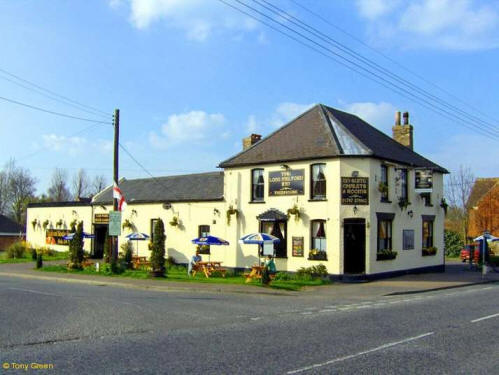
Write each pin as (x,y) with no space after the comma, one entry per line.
(55,113)
(353,65)
(373,65)
(387,57)
(52,95)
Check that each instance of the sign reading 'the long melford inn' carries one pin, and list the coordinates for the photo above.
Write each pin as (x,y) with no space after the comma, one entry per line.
(288,182)
(355,190)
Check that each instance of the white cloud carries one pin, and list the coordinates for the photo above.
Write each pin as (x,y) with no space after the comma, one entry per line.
(381,115)
(283,113)
(197,18)
(193,126)
(372,9)
(450,24)
(70,145)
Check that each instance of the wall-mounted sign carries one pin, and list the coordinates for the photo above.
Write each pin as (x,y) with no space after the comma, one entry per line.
(115,223)
(54,236)
(355,190)
(288,182)
(101,218)
(297,246)
(423,181)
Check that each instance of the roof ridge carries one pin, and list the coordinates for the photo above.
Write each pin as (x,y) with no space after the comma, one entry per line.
(290,122)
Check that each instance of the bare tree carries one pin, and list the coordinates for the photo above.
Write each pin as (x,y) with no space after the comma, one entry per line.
(98,184)
(458,193)
(58,190)
(5,193)
(81,184)
(22,190)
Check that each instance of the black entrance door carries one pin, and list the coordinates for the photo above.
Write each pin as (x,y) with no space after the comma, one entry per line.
(100,231)
(354,245)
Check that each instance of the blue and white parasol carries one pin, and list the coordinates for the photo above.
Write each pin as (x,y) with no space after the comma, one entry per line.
(258,239)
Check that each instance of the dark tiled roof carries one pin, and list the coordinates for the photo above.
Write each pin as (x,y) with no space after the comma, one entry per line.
(185,188)
(480,188)
(323,132)
(9,226)
(79,203)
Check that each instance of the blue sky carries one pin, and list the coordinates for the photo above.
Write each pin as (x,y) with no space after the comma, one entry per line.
(192,77)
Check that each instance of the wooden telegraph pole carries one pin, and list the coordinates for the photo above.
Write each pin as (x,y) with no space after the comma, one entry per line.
(114,256)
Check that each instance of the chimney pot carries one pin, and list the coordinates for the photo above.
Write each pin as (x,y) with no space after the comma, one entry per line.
(397,118)
(406,118)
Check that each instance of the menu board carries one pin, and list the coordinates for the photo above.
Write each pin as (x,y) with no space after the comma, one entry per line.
(297,246)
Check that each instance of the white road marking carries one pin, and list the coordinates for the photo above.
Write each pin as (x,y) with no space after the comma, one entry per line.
(385,346)
(257,318)
(485,317)
(307,313)
(35,292)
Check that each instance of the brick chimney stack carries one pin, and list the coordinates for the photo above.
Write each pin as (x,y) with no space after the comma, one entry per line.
(403,134)
(251,140)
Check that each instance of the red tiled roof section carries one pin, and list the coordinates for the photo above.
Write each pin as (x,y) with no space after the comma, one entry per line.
(306,137)
(480,188)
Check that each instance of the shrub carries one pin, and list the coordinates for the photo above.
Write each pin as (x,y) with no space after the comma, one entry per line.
(283,276)
(127,253)
(453,243)
(314,272)
(429,251)
(386,254)
(170,261)
(112,269)
(158,250)
(39,261)
(17,250)
(46,251)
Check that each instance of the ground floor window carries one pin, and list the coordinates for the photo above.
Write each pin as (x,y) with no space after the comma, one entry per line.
(384,234)
(318,241)
(427,233)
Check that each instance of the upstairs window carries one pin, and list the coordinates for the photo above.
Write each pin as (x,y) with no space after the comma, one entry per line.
(153,225)
(318,181)
(257,185)
(383,183)
(403,185)
(426,199)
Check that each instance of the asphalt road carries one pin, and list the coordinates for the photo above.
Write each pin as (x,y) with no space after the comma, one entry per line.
(83,329)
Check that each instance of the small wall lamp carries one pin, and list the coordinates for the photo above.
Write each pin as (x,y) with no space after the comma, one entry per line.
(216,212)
(410,213)
(355,209)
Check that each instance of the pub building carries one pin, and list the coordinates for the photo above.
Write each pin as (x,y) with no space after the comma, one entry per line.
(333,188)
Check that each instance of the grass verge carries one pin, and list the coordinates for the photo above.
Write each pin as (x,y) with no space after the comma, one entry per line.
(27,258)
(179,273)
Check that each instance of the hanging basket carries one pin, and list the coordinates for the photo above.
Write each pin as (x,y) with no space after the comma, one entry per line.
(231,211)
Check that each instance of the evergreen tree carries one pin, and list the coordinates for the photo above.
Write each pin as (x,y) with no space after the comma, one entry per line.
(107,248)
(158,250)
(76,247)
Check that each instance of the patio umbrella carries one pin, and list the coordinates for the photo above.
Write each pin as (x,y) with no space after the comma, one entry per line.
(258,239)
(209,240)
(70,236)
(137,236)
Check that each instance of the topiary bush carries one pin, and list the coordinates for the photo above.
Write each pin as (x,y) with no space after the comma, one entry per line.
(76,249)
(158,250)
(453,243)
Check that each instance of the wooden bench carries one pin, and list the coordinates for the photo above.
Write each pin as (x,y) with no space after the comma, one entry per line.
(140,262)
(208,268)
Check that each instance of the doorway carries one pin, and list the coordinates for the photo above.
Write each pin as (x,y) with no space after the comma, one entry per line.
(354,245)
(100,231)
(277,229)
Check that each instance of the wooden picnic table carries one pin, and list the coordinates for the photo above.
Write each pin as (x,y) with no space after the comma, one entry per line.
(140,261)
(255,273)
(208,268)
